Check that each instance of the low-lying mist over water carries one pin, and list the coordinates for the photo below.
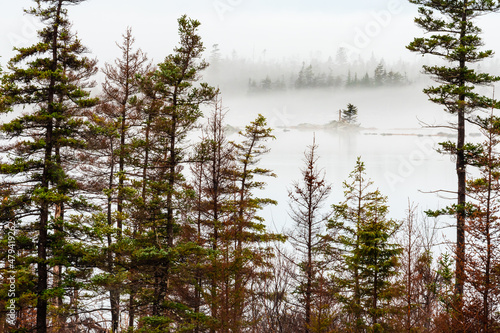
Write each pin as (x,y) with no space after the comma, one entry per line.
(381,108)
(400,155)
(301,92)
(398,134)
(397,138)
(249,166)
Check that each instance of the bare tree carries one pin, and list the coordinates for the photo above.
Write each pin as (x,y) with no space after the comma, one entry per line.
(417,274)
(307,198)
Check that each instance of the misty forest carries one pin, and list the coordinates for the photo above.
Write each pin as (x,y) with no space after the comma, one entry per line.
(132,200)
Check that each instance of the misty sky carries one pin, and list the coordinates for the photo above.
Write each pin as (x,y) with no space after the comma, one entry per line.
(283,28)
(258,29)
(269,29)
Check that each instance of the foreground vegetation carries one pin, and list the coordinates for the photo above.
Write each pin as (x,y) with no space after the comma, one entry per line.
(112,221)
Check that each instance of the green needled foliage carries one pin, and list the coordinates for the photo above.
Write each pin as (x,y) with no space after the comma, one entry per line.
(370,258)
(169,103)
(455,39)
(49,79)
(350,114)
(250,251)
(180,108)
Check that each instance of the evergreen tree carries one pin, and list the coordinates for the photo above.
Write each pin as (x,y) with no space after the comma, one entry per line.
(366,81)
(111,135)
(215,57)
(146,204)
(181,109)
(249,254)
(380,75)
(301,81)
(172,108)
(455,38)
(310,78)
(370,259)
(266,84)
(349,115)
(349,82)
(355,81)
(50,76)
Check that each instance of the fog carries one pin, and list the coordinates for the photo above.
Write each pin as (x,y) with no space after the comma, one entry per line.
(251,41)
(400,155)
(282,29)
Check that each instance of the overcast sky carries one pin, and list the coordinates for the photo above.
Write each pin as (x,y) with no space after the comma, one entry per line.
(253,28)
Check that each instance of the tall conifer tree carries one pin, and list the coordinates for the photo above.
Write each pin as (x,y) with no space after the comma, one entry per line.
(455,38)
(247,229)
(44,77)
(172,97)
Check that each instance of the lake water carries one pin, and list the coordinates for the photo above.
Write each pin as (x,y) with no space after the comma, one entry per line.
(399,154)
(403,167)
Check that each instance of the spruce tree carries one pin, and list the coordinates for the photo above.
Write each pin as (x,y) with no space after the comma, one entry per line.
(171,101)
(249,252)
(181,105)
(379,75)
(49,78)
(370,258)
(455,39)
(350,114)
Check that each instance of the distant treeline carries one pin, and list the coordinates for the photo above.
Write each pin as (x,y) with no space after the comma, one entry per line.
(307,78)
(127,208)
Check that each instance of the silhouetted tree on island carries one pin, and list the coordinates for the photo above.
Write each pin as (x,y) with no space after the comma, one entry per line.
(350,114)
(133,215)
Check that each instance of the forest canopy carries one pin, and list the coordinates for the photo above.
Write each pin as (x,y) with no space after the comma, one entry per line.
(129,205)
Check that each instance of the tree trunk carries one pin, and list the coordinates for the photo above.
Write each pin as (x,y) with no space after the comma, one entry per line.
(461,192)
(114,297)
(309,265)
(375,298)
(357,291)
(59,217)
(487,277)
(41,307)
